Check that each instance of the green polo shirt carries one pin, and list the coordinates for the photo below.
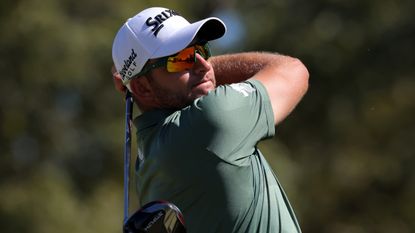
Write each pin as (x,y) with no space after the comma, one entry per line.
(204,158)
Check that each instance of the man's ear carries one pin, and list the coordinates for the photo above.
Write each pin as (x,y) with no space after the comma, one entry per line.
(116,77)
(141,89)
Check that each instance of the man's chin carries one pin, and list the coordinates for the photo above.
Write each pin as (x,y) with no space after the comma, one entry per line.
(202,89)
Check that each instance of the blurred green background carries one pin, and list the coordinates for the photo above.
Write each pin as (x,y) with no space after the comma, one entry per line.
(345,156)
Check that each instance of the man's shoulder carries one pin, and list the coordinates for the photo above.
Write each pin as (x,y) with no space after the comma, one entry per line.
(231,94)
(227,102)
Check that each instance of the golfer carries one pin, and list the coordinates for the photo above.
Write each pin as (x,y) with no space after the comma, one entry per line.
(201,120)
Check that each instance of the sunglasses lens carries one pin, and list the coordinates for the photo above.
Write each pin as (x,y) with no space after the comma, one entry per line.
(203,50)
(182,61)
(186,58)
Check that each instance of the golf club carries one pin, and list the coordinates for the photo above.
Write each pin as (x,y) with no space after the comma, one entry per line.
(155,216)
(127,151)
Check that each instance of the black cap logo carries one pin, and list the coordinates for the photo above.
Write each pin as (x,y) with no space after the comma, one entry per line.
(157,21)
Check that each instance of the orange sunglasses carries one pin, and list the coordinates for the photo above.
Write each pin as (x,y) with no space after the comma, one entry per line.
(180,61)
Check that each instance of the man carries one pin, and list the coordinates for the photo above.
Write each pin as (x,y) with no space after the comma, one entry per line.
(202,118)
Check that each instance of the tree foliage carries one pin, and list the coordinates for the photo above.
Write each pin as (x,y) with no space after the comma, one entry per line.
(345,156)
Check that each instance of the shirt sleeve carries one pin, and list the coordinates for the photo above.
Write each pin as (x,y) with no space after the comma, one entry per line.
(233,119)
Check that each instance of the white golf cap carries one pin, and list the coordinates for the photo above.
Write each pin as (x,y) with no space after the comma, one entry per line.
(157,32)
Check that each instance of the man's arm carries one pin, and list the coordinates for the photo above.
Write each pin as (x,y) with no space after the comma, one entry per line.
(285,78)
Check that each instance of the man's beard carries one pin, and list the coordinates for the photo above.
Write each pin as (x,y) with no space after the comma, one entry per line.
(169,99)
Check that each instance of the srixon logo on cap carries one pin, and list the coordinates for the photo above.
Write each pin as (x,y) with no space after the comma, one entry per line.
(157,21)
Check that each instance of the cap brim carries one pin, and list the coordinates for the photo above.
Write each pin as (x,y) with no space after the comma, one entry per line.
(206,30)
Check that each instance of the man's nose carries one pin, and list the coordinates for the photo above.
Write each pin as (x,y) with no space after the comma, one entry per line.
(201,65)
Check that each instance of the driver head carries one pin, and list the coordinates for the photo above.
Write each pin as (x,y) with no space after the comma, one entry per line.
(156,217)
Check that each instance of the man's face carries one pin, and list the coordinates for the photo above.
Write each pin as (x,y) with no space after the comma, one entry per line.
(177,90)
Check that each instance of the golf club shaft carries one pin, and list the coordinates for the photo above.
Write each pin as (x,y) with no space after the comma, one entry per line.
(127,152)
